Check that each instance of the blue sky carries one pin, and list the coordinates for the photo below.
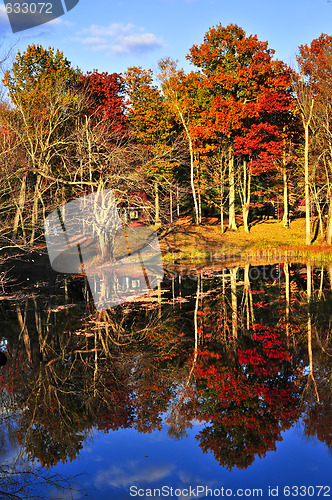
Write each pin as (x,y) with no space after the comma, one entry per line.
(111,35)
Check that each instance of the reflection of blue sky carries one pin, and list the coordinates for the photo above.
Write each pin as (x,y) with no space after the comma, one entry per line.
(9,452)
(72,494)
(113,462)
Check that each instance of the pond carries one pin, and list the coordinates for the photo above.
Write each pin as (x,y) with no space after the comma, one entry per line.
(215,384)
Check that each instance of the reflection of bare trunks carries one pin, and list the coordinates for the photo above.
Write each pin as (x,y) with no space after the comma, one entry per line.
(248,297)
(287,294)
(329,225)
(311,370)
(176,418)
(104,287)
(330,276)
(24,331)
(320,293)
(233,274)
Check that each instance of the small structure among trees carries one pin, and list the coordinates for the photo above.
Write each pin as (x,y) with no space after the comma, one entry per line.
(136,209)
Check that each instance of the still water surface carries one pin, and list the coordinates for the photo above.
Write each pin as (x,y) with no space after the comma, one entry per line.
(216,384)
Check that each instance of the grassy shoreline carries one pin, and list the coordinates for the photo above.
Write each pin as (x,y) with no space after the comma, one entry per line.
(186,243)
(268,240)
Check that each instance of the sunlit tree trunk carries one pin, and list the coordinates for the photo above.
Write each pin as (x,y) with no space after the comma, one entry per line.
(192,163)
(231,222)
(173,292)
(156,202)
(106,242)
(246,196)
(19,210)
(177,202)
(192,181)
(199,194)
(306,123)
(169,77)
(329,225)
(159,299)
(34,215)
(285,218)
(222,206)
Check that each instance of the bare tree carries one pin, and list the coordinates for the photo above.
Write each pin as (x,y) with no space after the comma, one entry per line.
(306,101)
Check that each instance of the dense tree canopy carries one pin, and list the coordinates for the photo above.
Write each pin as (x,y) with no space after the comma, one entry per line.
(239,124)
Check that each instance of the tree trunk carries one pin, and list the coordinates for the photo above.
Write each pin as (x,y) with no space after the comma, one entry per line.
(320,218)
(177,202)
(192,182)
(221,198)
(156,200)
(285,218)
(199,207)
(106,242)
(245,214)
(231,223)
(192,164)
(34,218)
(329,225)
(19,210)
(306,124)
(199,196)
(306,186)
(159,299)
(222,218)
(246,196)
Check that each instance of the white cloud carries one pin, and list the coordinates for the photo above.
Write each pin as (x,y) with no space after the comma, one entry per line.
(118,39)
(59,21)
(94,40)
(113,30)
(139,42)
(131,473)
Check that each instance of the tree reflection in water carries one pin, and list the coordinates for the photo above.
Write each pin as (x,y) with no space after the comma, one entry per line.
(246,353)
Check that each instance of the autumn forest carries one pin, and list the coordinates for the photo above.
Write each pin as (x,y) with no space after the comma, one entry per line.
(239,137)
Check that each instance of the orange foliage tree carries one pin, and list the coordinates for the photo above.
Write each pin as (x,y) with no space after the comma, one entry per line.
(244,89)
